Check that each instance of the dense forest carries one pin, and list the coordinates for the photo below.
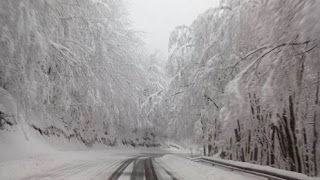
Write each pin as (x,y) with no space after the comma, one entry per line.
(242,80)
(245,83)
(74,69)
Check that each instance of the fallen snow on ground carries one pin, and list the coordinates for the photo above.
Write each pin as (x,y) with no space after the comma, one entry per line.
(183,168)
(87,164)
(37,159)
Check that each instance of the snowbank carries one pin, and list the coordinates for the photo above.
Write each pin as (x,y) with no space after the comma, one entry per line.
(186,169)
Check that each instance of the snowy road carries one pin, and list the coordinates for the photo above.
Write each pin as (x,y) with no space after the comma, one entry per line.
(113,164)
(142,167)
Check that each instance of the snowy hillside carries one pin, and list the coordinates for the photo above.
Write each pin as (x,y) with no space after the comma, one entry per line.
(72,69)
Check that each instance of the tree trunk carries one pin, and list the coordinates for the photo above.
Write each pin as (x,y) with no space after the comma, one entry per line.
(315,140)
(249,141)
(289,127)
(295,112)
(242,155)
(272,145)
(209,150)
(255,156)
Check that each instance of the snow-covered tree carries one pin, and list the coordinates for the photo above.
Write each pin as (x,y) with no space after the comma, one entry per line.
(249,79)
(73,67)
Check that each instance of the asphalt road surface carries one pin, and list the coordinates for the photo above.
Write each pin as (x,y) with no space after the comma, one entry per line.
(142,167)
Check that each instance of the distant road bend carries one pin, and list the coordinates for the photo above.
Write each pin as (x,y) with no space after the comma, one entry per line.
(142,167)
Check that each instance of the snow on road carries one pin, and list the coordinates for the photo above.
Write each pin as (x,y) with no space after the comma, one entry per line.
(102,164)
(183,168)
(93,164)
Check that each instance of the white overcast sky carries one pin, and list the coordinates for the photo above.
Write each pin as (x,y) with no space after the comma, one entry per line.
(159,17)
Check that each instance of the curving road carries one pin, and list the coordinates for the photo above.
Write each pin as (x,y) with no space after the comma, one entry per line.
(141,167)
(119,166)
(129,165)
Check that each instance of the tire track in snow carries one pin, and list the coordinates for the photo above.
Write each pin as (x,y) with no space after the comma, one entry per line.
(150,173)
(144,167)
(138,170)
(117,173)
